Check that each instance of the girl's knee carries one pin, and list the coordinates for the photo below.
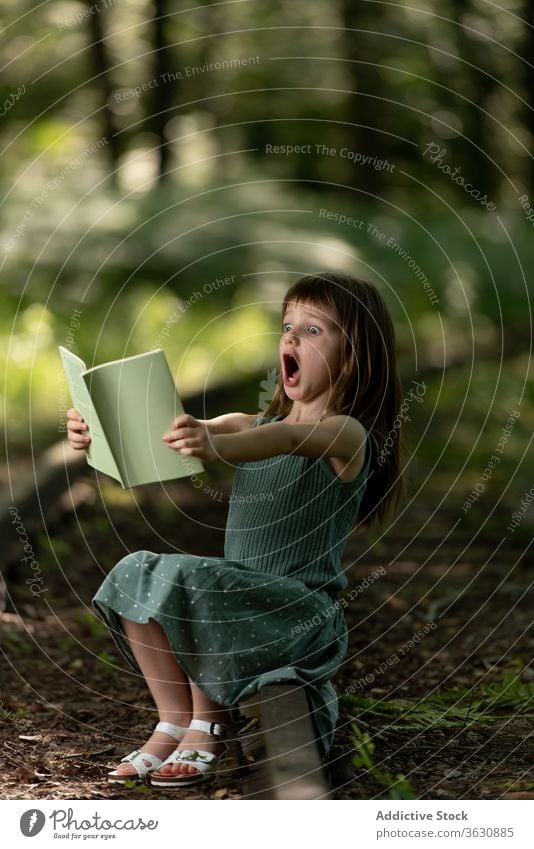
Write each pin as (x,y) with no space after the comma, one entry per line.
(119,576)
(130,561)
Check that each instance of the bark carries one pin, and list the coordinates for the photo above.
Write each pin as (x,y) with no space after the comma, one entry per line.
(101,70)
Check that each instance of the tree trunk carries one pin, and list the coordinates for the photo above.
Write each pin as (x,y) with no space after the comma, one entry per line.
(365,114)
(528,56)
(161,93)
(101,71)
(478,129)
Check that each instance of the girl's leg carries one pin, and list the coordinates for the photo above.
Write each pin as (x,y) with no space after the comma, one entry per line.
(167,682)
(203,708)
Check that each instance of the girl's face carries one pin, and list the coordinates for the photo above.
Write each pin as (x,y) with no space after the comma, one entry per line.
(310,350)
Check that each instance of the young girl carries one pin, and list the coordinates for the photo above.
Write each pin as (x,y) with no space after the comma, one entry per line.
(207,632)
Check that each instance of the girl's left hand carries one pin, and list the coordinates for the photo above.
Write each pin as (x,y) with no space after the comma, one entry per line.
(191,437)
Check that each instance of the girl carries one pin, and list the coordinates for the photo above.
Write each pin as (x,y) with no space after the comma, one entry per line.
(207,632)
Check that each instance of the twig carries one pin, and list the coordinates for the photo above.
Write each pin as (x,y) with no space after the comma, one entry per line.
(91,754)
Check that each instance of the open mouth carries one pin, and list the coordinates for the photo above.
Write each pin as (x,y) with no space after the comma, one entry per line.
(291,369)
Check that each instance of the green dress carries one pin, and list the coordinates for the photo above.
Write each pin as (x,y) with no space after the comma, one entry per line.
(267,612)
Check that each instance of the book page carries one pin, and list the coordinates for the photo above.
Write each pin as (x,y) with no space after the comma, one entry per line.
(98,454)
(137,400)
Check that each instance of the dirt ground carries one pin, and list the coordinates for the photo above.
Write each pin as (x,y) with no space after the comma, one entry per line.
(70,708)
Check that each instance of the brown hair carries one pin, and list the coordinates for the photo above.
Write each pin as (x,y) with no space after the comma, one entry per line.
(367,387)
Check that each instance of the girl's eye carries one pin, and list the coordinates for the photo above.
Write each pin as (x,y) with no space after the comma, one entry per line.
(310,328)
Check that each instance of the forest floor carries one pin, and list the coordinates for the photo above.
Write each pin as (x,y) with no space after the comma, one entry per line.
(436,691)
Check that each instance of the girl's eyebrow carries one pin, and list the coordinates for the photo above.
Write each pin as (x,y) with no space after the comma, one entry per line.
(313,315)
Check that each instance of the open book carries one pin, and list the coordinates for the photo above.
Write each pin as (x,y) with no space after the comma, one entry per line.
(128,405)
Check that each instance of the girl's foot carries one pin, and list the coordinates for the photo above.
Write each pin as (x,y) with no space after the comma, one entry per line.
(193,740)
(159,744)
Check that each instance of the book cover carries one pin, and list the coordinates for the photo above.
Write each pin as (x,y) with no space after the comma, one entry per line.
(128,405)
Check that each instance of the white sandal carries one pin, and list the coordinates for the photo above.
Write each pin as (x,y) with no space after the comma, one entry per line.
(203,761)
(145,762)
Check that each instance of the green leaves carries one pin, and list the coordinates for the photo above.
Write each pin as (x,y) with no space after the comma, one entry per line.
(398,786)
(450,709)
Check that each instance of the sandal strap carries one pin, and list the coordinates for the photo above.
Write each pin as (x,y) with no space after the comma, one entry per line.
(203,761)
(197,758)
(176,731)
(190,756)
(138,760)
(216,729)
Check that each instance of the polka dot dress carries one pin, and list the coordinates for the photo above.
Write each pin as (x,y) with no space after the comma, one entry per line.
(268,611)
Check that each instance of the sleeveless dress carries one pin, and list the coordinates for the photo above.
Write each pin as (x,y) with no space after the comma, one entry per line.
(267,612)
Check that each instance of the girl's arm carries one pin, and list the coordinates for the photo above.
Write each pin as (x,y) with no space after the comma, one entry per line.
(339,436)
(228,423)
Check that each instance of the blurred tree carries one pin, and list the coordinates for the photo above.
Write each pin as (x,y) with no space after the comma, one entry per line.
(365,112)
(478,74)
(102,75)
(211,20)
(162,93)
(528,58)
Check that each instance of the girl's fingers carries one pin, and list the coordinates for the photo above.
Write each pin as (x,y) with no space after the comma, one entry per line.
(79,445)
(77,429)
(181,443)
(77,437)
(179,433)
(75,426)
(182,421)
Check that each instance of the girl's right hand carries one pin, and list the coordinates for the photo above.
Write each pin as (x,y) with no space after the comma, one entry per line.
(76,428)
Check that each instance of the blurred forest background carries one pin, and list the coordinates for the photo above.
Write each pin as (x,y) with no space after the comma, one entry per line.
(149,152)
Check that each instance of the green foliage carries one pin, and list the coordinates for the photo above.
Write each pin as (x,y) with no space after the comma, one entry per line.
(93,226)
(515,784)
(55,548)
(16,643)
(316,68)
(510,694)
(403,715)
(107,658)
(398,786)
(452,708)
(234,330)
(95,627)
(134,785)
